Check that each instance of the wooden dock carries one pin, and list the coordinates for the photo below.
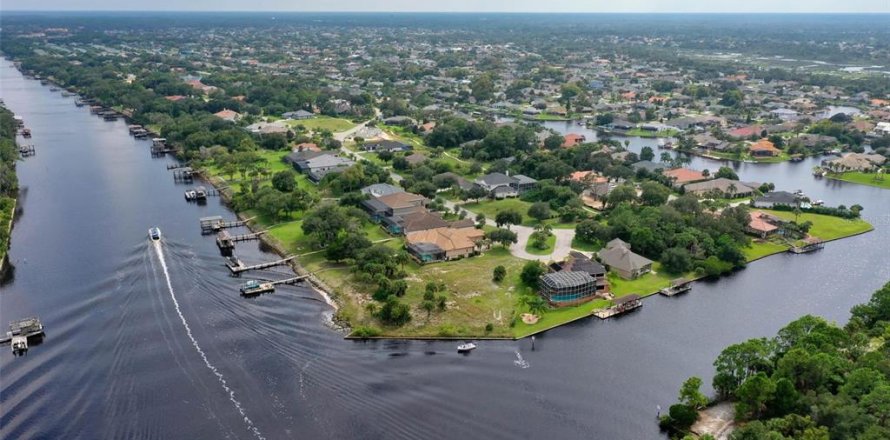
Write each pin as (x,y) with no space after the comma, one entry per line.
(620,306)
(184,174)
(237,267)
(809,245)
(216,223)
(678,286)
(226,241)
(254,287)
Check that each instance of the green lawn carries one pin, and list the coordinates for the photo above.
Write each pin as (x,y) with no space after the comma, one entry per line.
(491,208)
(827,227)
(584,246)
(556,317)
(870,179)
(645,285)
(651,134)
(334,125)
(762,249)
(551,242)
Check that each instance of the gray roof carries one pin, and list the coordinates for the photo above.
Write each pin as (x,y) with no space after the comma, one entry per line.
(381,189)
(648,165)
(327,160)
(778,197)
(722,184)
(496,179)
(522,180)
(562,280)
(620,257)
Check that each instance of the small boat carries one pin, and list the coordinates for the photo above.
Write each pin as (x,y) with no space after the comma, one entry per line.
(20,331)
(466,348)
(26,132)
(154,234)
(818,203)
(254,287)
(190,195)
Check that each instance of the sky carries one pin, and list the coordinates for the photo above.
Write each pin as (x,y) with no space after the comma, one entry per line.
(846,6)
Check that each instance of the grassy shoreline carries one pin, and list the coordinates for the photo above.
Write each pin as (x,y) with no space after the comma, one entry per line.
(474,300)
(861,178)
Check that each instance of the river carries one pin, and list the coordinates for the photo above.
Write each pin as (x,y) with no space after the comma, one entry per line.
(139,349)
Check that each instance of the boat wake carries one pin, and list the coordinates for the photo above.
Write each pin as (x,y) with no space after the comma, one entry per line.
(520,362)
(188,331)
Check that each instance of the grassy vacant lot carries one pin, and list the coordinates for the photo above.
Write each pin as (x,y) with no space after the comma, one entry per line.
(333,125)
(474,300)
(827,227)
(491,208)
(871,179)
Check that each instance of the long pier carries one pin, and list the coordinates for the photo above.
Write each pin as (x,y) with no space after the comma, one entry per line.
(237,267)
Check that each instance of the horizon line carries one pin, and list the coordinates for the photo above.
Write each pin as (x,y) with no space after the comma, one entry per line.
(887,12)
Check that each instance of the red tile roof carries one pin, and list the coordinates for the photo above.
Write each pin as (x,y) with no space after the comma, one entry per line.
(684,175)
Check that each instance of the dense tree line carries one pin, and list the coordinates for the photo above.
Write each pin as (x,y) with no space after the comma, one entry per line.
(813,380)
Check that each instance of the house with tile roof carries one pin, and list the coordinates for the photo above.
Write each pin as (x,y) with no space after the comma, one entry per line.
(442,244)
(764,148)
(682,176)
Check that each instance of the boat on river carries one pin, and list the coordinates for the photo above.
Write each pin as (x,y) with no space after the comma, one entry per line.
(466,348)
(154,234)
(254,287)
(22,330)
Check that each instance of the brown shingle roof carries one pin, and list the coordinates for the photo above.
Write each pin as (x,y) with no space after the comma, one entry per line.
(448,239)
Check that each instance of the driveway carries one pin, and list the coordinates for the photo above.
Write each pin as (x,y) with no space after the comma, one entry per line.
(561,249)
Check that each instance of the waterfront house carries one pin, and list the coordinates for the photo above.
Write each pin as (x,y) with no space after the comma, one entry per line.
(617,257)
(763,225)
(722,187)
(855,162)
(572,139)
(775,198)
(764,148)
(578,262)
(441,244)
(567,288)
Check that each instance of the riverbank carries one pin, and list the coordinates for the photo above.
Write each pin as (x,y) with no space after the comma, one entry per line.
(870,179)
(7,218)
(476,307)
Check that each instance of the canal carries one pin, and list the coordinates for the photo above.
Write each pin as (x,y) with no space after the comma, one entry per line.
(128,355)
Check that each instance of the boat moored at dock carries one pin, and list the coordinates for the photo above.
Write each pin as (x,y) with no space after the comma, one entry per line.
(21,331)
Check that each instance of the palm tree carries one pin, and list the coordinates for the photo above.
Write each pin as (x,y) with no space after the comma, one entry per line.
(536,305)
(732,189)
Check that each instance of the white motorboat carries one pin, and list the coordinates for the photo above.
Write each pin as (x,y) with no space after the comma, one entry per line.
(465,348)
(154,234)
